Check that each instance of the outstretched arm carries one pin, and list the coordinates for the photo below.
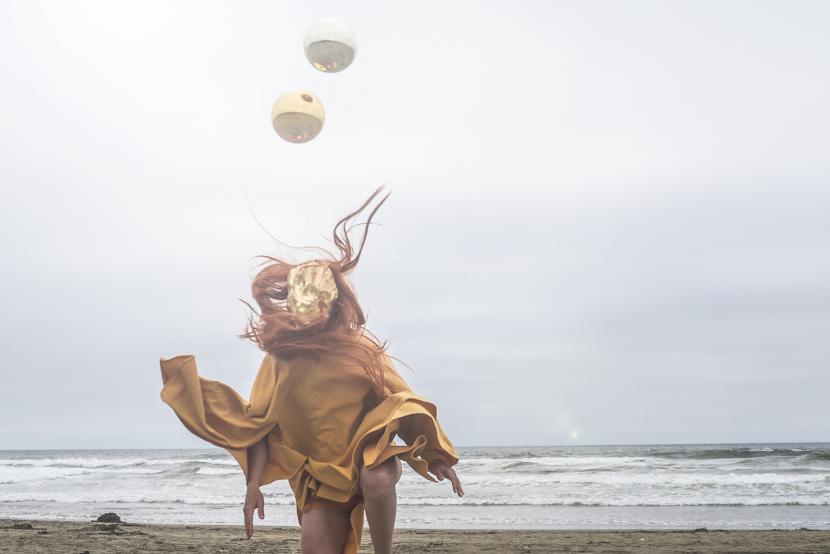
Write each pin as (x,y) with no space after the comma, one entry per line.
(439,464)
(245,428)
(257,456)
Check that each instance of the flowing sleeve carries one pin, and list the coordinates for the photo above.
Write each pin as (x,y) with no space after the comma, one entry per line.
(219,415)
(416,423)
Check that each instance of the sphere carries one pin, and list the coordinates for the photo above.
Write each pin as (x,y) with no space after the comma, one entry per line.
(330,45)
(298,116)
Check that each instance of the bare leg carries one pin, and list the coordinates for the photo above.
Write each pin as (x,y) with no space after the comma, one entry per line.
(381,501)
(324,531)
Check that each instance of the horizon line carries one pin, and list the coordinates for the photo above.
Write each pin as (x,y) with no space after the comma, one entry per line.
(210,447)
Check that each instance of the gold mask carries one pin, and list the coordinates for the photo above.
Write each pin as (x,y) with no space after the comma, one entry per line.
(311,291)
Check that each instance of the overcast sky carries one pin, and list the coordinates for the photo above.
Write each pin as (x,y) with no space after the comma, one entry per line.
(609,221)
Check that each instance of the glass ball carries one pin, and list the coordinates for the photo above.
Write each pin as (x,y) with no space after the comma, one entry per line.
(330,45)
(298,116)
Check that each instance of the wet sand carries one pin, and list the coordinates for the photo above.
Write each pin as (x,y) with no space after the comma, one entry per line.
(75,537)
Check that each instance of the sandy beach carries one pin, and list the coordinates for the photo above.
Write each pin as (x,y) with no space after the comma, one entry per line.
(80,537)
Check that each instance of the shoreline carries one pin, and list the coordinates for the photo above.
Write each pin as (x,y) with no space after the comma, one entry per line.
(74,536)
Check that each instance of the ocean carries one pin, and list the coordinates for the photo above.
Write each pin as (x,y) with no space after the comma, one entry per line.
(741,486)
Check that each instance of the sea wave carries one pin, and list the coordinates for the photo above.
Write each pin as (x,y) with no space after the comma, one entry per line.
(99,463)
(741,453)
(288,500)
(198,484)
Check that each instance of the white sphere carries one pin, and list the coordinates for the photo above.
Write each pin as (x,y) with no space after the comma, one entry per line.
(298,116)
(330,45)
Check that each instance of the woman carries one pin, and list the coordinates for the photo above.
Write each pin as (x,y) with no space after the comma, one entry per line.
(325,407)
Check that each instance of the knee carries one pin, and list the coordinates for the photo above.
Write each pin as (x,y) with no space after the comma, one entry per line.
(379,481)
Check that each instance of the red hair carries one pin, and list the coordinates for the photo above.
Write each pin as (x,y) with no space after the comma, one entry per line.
(276,331)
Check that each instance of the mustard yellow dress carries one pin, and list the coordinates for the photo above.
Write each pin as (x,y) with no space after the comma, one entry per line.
(322,422)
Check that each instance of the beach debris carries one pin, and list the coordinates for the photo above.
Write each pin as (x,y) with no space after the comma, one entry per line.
(109,517)
(25,526)
(700,530)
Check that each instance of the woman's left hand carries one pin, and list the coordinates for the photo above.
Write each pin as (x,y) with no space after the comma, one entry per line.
(441,470)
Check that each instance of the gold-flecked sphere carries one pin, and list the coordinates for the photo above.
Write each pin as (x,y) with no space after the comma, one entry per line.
(298,116)
(311,291)
(330,45)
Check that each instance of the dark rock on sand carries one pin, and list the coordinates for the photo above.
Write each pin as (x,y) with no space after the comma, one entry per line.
(109,517)
(108,527)
(26,526)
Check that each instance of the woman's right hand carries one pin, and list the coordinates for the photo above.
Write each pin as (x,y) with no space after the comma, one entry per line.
(253,500)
